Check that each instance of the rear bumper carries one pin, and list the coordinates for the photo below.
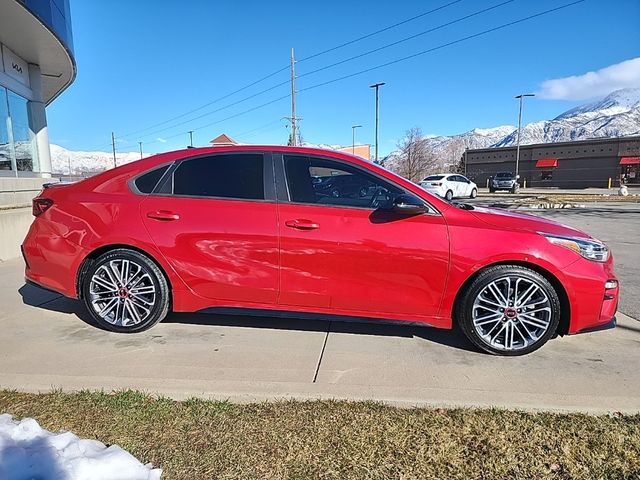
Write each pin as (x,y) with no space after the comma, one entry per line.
(51,261)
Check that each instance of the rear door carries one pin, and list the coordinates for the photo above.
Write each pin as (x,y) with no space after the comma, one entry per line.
(213,217)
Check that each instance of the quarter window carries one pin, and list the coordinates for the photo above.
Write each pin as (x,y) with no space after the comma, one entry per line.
(147,183)
(327,182)
(229,176)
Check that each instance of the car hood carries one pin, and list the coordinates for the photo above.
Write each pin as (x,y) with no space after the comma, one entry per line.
(519,221)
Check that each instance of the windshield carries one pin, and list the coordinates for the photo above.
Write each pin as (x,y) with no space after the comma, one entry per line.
(433,177)
(504,175)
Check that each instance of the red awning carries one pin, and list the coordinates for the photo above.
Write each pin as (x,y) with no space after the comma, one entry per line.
(630,161)
(547,162)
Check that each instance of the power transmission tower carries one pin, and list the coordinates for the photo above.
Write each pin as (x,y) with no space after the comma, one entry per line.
(294,119)
(113,145)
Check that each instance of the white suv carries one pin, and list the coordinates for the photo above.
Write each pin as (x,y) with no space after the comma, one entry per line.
(450,186)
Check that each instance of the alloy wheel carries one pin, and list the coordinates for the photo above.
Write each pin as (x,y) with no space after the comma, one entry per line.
(511,313)
(122,292)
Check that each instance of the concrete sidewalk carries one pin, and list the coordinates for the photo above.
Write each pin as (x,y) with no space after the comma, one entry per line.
(46,344)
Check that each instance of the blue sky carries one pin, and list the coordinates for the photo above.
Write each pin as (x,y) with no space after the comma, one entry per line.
(145,62)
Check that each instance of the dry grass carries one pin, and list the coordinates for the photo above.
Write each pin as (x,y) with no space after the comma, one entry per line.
(200,439)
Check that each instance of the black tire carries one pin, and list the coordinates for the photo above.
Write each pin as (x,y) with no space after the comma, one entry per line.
(152,276)
(491,190)
(474,193)
(464,310)
(514,189)
(449,195)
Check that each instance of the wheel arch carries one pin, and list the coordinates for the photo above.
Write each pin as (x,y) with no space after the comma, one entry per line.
(565,305)
(94,254)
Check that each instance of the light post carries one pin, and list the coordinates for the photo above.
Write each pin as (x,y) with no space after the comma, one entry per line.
(191,138)
(377,86)
(353,138)
(520,98)
(140,143)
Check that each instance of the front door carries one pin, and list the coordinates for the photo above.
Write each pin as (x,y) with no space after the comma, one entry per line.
(342,251)
(215,223)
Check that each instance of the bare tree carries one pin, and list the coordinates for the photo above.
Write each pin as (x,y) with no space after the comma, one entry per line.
(414,158)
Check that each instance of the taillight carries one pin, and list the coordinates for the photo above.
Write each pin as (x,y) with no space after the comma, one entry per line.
(40,205)
(439,184)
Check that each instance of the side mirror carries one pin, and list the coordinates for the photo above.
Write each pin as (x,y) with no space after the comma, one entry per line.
(407,204)
(518,177)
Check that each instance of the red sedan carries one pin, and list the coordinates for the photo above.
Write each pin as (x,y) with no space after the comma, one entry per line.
(285,229)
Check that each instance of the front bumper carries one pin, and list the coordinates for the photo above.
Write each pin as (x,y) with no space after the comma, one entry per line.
(593,306)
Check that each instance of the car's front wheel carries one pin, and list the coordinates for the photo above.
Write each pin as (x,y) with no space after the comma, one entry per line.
(509,310)
(474,193)
(125,291)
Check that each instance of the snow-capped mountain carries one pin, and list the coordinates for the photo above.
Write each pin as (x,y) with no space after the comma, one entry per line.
(617,115)
(79,163)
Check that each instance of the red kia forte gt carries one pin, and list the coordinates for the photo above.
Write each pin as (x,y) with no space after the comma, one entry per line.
(256,228)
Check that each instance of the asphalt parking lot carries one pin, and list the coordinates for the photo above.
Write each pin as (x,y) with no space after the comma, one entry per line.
(47,343)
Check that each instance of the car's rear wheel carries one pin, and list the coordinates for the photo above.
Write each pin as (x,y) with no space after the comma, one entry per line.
(448,195)
(474,193)
(125,291)
(509,310)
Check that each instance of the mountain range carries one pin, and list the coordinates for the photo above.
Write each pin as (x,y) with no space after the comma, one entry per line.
(616,115)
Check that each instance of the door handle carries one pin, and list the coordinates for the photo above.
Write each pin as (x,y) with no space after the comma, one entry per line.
(163,215)
(301,224)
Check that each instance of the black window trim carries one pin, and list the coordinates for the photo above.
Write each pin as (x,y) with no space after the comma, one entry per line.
(282,185)
(267,177)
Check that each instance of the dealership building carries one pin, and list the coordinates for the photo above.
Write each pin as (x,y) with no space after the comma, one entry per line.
(579,164)
(36,65)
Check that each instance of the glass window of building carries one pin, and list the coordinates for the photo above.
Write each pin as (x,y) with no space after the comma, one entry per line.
(23,138)
(6,154)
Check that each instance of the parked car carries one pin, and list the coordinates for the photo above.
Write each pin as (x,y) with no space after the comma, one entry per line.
(243,229)
(504,181)
(450,186)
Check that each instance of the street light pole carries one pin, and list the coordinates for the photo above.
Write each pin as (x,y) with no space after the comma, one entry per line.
(191,138)
(353,138)
(140,143)
(377,86)
(520,98)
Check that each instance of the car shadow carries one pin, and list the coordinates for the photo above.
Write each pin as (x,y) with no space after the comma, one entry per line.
(41,298)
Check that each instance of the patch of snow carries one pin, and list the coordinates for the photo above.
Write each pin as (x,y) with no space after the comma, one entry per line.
(27,451)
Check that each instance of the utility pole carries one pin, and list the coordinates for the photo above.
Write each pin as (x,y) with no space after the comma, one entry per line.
(113,145)
(353,138)
(294,120)
(377,86)
(191,138)
(140,143)
(520,98)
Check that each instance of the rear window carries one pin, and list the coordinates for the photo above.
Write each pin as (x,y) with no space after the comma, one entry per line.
(147,183)
(227,176)
(433,177)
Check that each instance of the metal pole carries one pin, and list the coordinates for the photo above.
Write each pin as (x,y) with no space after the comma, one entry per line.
(294,140)
(191,138)
(521,98)
(518,136)
(113,145)
(377,86)
(353,138)
(140,143)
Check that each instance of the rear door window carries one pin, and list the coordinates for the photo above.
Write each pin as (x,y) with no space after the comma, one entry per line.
(238,176)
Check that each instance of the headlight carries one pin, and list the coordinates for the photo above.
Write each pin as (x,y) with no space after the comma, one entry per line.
(590,249)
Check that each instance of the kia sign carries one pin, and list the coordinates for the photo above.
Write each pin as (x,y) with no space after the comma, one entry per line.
(14,66)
